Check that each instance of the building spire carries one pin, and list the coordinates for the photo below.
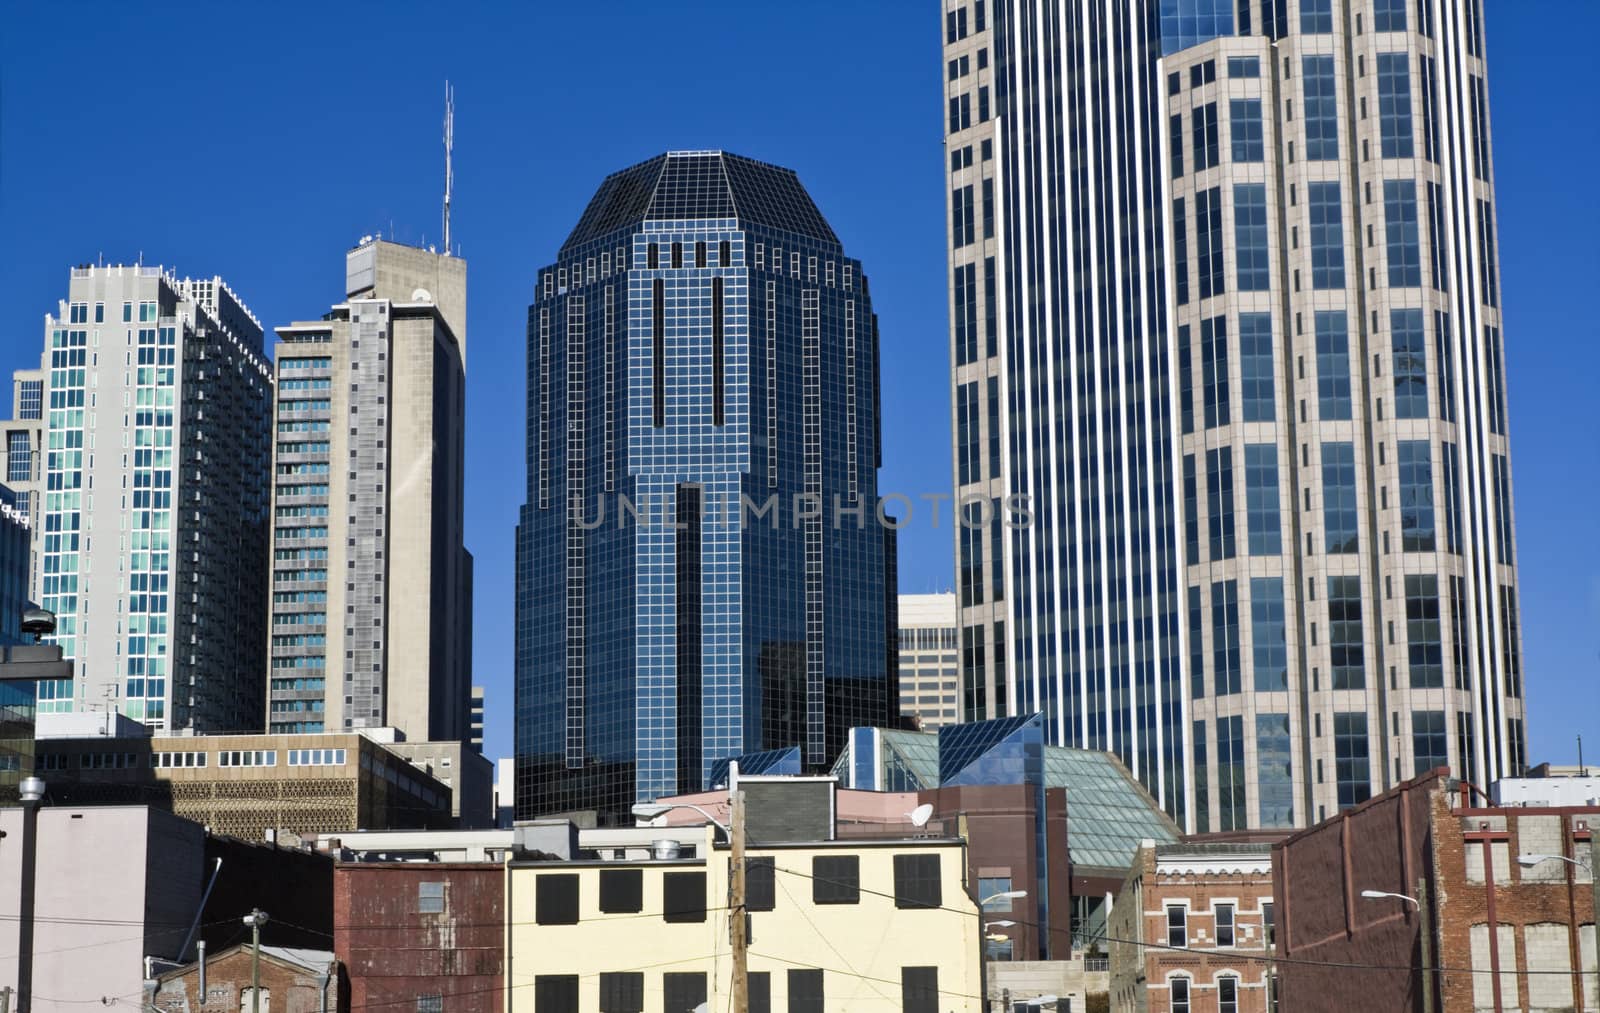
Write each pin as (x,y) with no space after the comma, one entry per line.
(449,145)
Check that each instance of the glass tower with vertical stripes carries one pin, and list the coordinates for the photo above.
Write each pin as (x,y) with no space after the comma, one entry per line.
(701,571)
(1230,316)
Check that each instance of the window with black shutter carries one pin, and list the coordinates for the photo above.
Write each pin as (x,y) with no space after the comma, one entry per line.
(684,991)
(919,989)
(700,253)
(761,992)
(653,256)
(677,254)
(916,881)
(836,879)
(684,897)
(621,891)
(760,884)
(556,899)
(622,992)
(805,991)
(724,253)
(555,993)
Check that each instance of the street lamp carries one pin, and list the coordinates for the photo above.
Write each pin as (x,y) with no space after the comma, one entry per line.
(1006,895)
(1380,894)
(254,920)
(1003,923)
(1529,861)
(738,928)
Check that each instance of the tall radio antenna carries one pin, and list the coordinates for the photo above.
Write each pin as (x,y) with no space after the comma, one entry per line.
(449,145)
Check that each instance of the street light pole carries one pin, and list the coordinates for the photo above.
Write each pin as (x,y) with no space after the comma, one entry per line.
(255,919)
(32,792)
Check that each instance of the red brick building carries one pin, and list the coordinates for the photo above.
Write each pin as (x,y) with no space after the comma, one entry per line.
(292,981)
(1506,919)
(423,937)
(1192,930)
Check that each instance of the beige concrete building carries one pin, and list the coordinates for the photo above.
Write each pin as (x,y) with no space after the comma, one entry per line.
(367,505)
(249,786)
(930,658)
(858,925)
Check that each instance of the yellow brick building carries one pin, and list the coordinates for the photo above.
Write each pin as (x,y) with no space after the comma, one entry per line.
(853,925)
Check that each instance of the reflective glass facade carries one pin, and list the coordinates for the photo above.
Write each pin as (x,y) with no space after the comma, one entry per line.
(1247,292)
(701,571)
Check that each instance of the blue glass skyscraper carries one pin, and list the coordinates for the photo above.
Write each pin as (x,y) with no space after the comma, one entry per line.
(701,568)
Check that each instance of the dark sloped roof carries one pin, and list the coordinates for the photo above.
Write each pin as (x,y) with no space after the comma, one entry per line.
(682,185)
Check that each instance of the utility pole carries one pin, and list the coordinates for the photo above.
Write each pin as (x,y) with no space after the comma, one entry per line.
(5,999)
(739,920)
(255,919)
(1427,943)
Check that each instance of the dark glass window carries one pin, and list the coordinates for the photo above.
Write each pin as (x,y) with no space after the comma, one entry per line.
(1197,647)
(658,337)
(966,313)
(1443,343)
(836,879)
(1227,985)
(962,213)
(700,253)
(1191,507)
(1316,17)
(677,254)
(1231,805)
(1480,129)
(1415,464)
(622,992)
(805,990)
(1424,637)
(1208,238)
(555,993)
(1175,144)
(621,891)
(1202,781)
(724,253)
(1203,127)
(1180,252)
(1178,992)
(1350,759)
(1250,237)
(760,884)
(1486,261)
(1225,637)
(683,990)
(1394,105)
(919,989)
(1333,365)
(1185,380)
(1244,66)
(1224,913)
(1339,510)
(1261,499)
(1402,234)
(1244,129)
(1345,636)
(684,896)
(1429,741)
(556,898)
(917,881)
(1327,235)
(1257,380)
(1177,925)
(1214,369)
(1268,643)
(1321,107)
(1388,15)
(653,256)
(1219,493)
(718,383)
(1410,368)
(1427,74)
(1502,510)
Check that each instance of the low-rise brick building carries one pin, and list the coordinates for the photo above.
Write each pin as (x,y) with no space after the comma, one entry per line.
(1506,919)
(1192,930)
(292,981)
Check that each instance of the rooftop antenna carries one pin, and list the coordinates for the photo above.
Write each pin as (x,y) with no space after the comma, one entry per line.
(449,146)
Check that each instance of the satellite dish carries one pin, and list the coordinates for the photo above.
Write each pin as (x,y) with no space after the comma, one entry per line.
(422,295)
(920,815)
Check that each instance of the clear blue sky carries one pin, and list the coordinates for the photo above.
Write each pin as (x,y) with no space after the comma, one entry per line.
(258,143)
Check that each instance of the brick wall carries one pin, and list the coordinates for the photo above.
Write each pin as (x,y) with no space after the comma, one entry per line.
(285,987)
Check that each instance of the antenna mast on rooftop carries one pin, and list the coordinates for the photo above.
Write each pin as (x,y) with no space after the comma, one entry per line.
(449,145)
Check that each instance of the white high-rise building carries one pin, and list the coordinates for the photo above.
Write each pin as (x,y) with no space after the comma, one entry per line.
(929,659)
(150,502)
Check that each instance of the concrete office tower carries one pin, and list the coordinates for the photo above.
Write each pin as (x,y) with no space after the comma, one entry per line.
(368,502)
(1329,335)
(930,657)
(151,503)
(1060,394)
(701,341)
